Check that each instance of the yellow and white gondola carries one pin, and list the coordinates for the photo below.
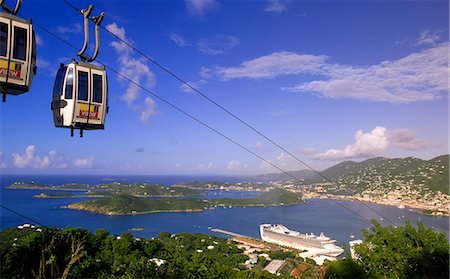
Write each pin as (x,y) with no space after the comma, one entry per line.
(80,93)
(17,52)
(80,97)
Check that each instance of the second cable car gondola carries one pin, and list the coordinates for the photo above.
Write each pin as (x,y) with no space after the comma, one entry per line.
(80,97)
(17,52)
(80,92)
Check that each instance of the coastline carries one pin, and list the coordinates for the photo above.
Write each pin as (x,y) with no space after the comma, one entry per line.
(80,207)
(401,205)
(110,213)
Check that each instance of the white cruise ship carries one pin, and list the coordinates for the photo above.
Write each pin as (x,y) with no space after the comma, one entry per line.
(316,245)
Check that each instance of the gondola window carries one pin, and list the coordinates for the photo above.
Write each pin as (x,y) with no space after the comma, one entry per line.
(3,38)
(57,88)
(97,94)
(82,86)
(20,43)
(69,84)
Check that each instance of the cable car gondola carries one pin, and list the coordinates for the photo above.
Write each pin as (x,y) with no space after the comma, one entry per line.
(80,92)
(17,52)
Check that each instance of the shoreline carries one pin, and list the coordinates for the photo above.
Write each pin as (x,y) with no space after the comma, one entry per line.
(76,206)
(419,210)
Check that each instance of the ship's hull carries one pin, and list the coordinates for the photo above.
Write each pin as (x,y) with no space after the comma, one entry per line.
(300,242)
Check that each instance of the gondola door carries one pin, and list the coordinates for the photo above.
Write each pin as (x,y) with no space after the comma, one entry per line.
(20,56)
(90,107)
(4,49)
(98,98)
(15,55)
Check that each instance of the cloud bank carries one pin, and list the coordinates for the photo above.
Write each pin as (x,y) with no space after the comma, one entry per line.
(375,143)
(420,76)
(52,160)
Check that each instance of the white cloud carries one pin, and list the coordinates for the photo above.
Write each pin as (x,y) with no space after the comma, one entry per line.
(375,143)
(218,44)
(200,7)
(72,29)
(406,139)
(275,6)
(419,76)
(84,162)
(257,145)
(31,160)
(273,65)
(203,166)
(180,41)
(366,145)
(428,38)
(39,40)
(236,165)
(206,72)
(185,88)
(232,165)
(148,110)
(3,164)
(136,70)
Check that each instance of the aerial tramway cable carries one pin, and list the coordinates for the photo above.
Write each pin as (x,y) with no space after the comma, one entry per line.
(204,124)
(184,82)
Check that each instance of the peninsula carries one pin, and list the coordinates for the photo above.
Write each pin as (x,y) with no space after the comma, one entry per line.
(124,204)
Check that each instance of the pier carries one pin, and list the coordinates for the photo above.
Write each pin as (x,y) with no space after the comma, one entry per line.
(243,239)
(229,233)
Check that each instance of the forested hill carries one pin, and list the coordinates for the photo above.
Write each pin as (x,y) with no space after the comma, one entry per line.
(432,174)
(121,204)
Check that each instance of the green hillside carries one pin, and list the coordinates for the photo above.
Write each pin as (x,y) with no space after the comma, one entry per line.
(301,174)
(432,174)
(127,204)
(382,172)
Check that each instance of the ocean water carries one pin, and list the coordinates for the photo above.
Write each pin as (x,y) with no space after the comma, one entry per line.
(314,216)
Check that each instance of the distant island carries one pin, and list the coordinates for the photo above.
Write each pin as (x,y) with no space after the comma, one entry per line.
(124,204)
(100,190)
(420,185)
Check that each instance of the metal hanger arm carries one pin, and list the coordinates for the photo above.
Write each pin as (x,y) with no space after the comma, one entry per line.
(86,13)
(8,9)
(97,20)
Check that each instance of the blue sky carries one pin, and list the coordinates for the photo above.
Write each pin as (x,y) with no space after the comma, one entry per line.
(327,80)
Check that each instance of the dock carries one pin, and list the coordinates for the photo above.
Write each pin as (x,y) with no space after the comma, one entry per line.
(229,233)
(243,239)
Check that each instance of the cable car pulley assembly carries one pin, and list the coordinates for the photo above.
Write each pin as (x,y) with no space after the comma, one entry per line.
(17,52)
(80,93)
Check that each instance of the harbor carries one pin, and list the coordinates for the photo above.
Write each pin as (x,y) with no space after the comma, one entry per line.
(278,237)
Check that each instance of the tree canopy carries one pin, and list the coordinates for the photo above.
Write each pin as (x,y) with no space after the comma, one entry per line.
(396,252)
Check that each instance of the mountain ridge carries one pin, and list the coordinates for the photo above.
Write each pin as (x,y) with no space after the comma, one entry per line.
(432,174)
